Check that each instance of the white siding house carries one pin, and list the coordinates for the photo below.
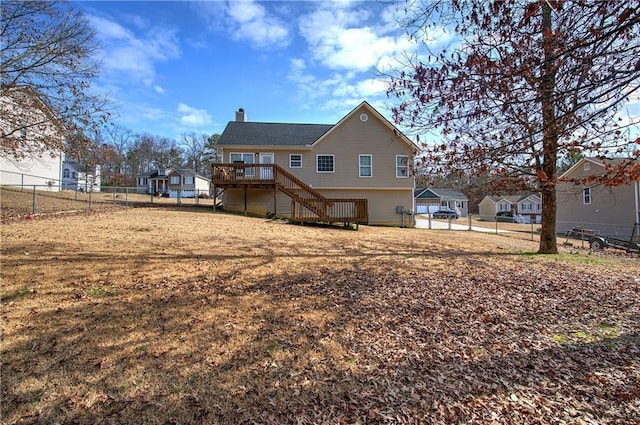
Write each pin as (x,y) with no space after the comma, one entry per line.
(23,159)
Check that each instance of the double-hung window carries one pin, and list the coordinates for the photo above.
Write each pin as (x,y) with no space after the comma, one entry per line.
(175,179)
(295,160)
(586,195)
(325,163)
(365,163)
(188,180)
(402,166)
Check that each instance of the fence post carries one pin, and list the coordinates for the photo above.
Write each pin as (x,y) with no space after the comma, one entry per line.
(496,225)
(126,196)
(89,200)
(33,203)
(179,199)
(470,228)
(21,182)
(532,230)
(197,191)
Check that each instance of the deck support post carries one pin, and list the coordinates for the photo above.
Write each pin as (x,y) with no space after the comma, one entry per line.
(275,208)
(214,198)
(245,200)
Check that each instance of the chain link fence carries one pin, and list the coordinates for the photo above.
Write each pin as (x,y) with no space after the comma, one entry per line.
(29,201)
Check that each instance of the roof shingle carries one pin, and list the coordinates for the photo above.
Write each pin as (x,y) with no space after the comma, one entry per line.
(238,133)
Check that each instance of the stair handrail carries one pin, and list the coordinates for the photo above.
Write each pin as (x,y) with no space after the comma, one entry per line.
(279,171)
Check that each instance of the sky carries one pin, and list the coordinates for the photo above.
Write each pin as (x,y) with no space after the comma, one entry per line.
(180,67)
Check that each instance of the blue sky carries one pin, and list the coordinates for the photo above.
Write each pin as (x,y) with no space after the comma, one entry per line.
(178,67)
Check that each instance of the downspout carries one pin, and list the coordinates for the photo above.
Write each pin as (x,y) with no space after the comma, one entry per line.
(637,189)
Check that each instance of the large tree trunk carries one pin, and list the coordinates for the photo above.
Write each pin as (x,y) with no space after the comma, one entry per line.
(548,241)
(548,174)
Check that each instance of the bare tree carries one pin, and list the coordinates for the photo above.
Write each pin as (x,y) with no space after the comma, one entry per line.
(194,149)
(120,139)
(49,48)
(525,83)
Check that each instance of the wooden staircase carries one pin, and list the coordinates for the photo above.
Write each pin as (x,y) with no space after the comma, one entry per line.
(307,204)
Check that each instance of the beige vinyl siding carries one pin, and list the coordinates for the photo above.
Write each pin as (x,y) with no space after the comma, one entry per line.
(351,139)
(259,201)
(611,209)
(382,203)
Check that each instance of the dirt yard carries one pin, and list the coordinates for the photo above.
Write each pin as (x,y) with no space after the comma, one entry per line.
(181,316)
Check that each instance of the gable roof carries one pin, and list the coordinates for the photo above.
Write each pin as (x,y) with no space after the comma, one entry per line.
(448,194)
(418,191)
(242,133)
(512,199)
(601,163)
(379,116)
(186,172)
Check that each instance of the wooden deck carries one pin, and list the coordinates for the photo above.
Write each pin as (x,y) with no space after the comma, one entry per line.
(307,204)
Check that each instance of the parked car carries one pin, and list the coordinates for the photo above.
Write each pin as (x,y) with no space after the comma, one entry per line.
(446,213)
(505,216)
(509,217)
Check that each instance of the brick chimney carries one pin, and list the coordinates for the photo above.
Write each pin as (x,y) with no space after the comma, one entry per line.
(241,116)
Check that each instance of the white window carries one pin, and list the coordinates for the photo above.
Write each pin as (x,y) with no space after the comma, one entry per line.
(586,195)
(295,160)
(526,207)
(325,163)
(402,166)
(175,179)
(188,180)
(504,207)
(247,158)
(65,173)
(365,165)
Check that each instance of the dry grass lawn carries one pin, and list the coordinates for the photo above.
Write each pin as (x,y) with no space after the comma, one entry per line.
(180,316)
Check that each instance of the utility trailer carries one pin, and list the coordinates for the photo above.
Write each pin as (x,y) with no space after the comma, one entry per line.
(600,242)
(597,241)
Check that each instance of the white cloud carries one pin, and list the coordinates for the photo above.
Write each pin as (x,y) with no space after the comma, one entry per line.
(193,117)
(340,38)
(128,55)
(246,20)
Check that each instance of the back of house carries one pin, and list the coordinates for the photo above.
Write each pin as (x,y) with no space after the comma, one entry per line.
(363,156)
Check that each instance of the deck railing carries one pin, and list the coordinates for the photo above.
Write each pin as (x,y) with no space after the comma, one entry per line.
(307,204)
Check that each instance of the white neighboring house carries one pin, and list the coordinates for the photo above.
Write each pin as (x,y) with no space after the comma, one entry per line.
(171,182)
(187,183)
(526,208)
(82,181)
(28,164)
